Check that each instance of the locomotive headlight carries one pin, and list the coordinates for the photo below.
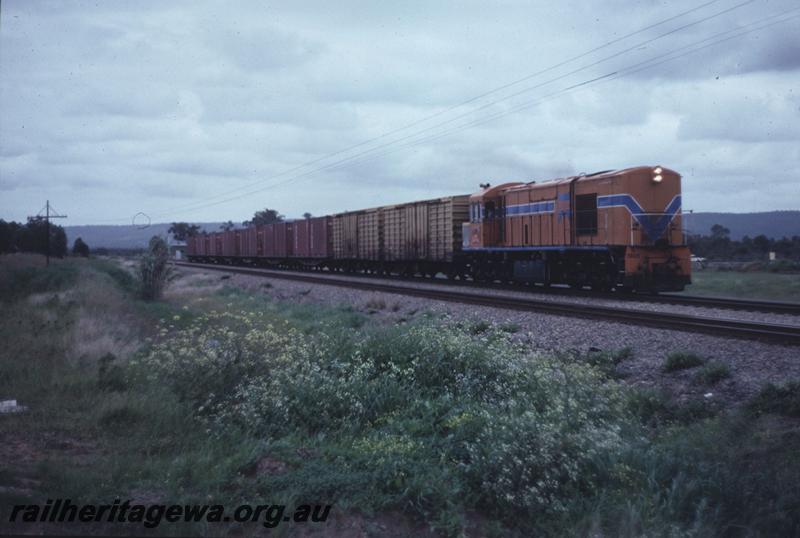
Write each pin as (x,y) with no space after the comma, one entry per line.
(657,170)
(657,178)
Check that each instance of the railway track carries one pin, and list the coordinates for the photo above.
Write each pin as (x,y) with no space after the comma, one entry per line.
(776,333)
(725,303)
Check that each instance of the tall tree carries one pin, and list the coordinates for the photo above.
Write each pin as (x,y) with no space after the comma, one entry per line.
(31,237)
(80,248)
(181,231)
(8,236)
(307,215)
(720,232)
(266,216)
(227,226)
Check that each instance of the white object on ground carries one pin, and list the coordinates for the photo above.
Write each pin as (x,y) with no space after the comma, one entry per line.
(10,406)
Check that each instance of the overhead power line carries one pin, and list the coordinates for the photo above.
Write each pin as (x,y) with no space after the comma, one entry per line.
(496,90)
(609,76)
(629,70)
(635,68)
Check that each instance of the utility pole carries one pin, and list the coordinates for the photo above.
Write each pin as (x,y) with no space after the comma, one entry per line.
(46,218)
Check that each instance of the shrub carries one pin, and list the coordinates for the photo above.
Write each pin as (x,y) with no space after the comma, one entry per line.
(479,327)
(607,361)
(656,408)
(425,415)
(780,399)
(375,304)
(682,360)
(713,372)
(154,270)
(510,327)
(110,375)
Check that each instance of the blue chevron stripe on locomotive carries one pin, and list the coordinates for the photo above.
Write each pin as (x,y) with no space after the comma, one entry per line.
(653,225)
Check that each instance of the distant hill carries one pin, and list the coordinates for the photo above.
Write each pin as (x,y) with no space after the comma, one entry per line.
(774,224)
(123,236)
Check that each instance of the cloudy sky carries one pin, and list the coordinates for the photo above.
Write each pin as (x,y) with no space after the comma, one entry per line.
(209,111)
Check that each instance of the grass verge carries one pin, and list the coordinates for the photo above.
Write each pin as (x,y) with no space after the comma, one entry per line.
(756,285)
(220,395)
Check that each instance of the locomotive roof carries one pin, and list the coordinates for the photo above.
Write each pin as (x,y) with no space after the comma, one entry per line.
(584,177)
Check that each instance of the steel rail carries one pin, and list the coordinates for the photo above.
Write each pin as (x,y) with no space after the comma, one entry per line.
(726,303)
(771,332)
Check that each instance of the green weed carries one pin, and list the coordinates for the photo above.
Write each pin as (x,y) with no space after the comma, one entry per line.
(681,360)
(781,399)
(17,283)
(713,372)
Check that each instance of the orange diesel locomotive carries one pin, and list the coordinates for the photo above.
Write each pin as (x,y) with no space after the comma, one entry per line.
(609,229)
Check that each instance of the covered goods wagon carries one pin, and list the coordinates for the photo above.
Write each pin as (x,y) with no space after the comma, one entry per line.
(345,235)
(429,230)
(358,235)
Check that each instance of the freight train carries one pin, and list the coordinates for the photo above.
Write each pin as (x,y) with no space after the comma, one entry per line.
(612,229)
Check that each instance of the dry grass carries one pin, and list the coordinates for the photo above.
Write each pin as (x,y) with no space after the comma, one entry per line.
(11,262)
(105,320)
(188,285)
(97,315)
(375,303)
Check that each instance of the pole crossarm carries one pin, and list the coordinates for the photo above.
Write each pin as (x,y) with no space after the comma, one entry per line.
(49,213)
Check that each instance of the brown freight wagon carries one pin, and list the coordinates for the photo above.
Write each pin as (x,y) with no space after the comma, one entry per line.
(301,235)
(320,237)
(312,238)
(278,240)
(196,244)
(429,230)
(191,246)
(247,242)
(229,246)
(216,244)
(260,241)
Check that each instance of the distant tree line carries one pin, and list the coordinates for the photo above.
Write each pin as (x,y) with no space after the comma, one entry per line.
(719,246)
(181,231)
(31,237)
(262,218)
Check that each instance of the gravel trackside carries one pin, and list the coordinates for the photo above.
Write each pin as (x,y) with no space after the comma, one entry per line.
(752,364)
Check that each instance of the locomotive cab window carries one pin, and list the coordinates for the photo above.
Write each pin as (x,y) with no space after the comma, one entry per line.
(586,214)
(475,212)
(490,210)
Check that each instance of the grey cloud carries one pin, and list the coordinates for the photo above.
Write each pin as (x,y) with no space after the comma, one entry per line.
(261,47)
(110,101)
(742,115)
(114,108)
